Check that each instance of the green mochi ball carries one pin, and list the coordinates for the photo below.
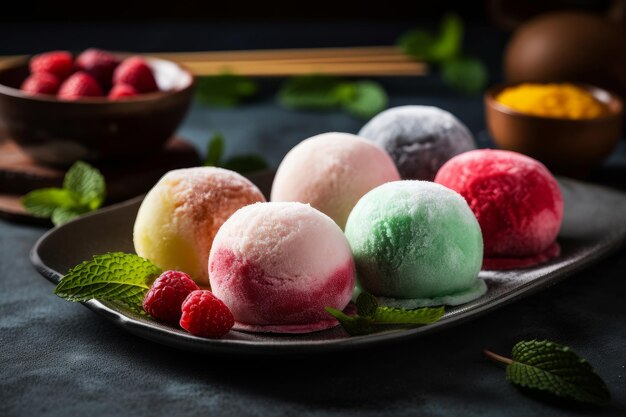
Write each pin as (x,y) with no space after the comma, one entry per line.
(416,243)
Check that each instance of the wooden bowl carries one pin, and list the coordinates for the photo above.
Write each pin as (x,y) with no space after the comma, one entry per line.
(61,132)
(566,146)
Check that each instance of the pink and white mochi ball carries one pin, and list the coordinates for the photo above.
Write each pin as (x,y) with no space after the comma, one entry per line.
(331,172)
(278,265)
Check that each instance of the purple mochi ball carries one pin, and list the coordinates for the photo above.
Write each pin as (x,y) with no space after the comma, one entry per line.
(419,139)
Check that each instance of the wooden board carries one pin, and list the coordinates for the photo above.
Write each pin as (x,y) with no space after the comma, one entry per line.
(19,174)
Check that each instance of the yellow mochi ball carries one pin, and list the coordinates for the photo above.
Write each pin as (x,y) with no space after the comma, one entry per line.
(179,217)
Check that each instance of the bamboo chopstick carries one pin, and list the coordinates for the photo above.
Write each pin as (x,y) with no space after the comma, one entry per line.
(251,68)
(262,54)
(351,61)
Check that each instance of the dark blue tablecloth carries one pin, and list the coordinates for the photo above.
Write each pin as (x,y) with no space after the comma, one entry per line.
(59,359)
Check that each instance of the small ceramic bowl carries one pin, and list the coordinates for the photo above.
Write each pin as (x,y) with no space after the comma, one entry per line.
(61,132)
(566,146)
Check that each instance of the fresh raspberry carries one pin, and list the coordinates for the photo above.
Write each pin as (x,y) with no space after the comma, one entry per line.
(165,298)
(205,315)
(79,85)
(122,91)
(41,83)
(99,64)
(58,63)
(136,72)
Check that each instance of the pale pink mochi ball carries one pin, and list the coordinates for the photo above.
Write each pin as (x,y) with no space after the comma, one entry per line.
(332,171)
(278,265)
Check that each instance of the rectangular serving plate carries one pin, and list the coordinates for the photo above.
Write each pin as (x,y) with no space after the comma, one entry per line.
(594,225)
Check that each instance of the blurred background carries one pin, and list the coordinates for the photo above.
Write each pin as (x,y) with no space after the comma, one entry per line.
(253,119)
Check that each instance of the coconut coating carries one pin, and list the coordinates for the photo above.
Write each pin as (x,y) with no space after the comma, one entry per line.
(331,172)
(419,139)
(416,243)
(181,214)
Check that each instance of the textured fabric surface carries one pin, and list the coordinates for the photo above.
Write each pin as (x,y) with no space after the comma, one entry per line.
(59,359)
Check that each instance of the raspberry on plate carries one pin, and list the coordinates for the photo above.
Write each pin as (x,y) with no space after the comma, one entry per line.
(79,85)
(136,72)
(57,63)
(205,315)
(165,298)
(99,64)
(41,83)
(122,91)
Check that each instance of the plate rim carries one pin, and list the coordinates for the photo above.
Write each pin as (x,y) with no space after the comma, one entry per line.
(177,339)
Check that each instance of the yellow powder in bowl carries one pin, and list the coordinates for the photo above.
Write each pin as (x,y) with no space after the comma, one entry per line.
(563,101)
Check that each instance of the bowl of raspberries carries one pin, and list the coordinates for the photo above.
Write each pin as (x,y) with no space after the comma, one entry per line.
(60,107)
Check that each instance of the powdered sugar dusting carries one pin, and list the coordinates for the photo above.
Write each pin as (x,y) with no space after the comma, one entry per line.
(419,138)
(515,199)
(290,240)
(280,264)
(180,216)
(331,172)
(415,240)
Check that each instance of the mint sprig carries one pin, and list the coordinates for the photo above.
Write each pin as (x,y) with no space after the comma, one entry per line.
(366,304)
(444,45)
(225,90)
(354,325)
(86,183)
(215,149)
(444,49)
(84,190)
(114,276)
(425,315)
(466,75)
(371,316)
(544,366)
(243,164)
(362,99)
(369,99)
(43,202)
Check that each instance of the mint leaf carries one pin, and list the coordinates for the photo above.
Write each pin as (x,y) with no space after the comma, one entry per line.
(86,183)
(448,43)
(421,44)
(355,326)
(216,148)
(362,99)
(391,315)
(426,315)
(62,215)
(317,92)
(417,43)
(226,90)
(114,276)
(246,163)
(43,202)
(366,304)
(554,368)
(369,100)
(371,315)
(239,163)
(545,366)
(466,75)
(83,190)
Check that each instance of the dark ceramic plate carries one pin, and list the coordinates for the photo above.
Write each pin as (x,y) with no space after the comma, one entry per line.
(594,225)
